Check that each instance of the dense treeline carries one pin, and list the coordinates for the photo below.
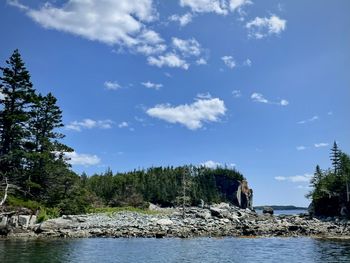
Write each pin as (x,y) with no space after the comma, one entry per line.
(331,188)
(165,186)
(33,162)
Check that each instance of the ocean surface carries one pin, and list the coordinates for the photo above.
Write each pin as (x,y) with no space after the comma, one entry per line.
(285,212)
(142,250)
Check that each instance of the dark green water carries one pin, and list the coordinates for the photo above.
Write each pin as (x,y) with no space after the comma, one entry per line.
(175,250)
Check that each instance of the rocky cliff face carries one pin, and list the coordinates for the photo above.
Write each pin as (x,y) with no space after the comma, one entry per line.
(12,222)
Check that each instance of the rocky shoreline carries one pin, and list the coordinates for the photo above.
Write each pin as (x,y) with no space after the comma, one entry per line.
(215,221)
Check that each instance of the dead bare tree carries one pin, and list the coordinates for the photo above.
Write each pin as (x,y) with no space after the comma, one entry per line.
(3,200)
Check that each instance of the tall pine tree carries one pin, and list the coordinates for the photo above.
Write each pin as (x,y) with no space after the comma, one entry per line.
(44,147)
(335,158)
(17,96)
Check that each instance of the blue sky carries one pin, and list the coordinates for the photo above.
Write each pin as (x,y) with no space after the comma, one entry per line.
(262,86)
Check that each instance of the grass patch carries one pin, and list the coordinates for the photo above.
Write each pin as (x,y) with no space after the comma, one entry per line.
(17,202)
(48,213)
(112,210)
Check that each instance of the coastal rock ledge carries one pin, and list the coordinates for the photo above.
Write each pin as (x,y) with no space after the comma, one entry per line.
(214,221)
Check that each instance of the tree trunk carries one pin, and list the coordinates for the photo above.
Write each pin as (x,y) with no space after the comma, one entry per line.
(5,194)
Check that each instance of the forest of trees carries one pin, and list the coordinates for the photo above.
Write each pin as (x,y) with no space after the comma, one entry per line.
(35,171)
(330,193)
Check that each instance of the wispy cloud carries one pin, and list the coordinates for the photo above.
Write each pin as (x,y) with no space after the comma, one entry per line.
(89,124)
(151,85)
(211,164)
(182,20)
(201,61)
(247,62)
(220,7)
(192,115)
(236,93)
(171,60)
(188,47)
(258,97)
(262,27)
(82,159)
(321,144)
(301,148)
(206,95)
(305,178)
(123,124)
(229,61)
(312,119)
(112,85)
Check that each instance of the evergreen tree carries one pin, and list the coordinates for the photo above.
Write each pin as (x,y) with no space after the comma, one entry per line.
(335,157)
(45,118)
(316,179)
(17,96)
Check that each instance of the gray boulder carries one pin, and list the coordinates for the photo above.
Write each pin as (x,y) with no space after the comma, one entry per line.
(268,210)
(23,220)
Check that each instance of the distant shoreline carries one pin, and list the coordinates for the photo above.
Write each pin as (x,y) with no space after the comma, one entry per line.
(281,207)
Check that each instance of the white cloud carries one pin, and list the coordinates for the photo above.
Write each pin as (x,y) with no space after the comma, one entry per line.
(229,61)
(321,144)
(201,61)
(123,124)
(111,22)
(122,22)
(236,93)
(284,102)
(170,60)
(82,159)
(206,6)
(16,3)
(262,27)
(312,119)
(247,62)
(112,85)
(238,4)
(301,148)
(258,97)
(193,115)
(221,7)
(329,113)
(89,124)
(2,96)
(189,47)
(151,85)
(211,164)
(204,95)
(151,49)
(305,178)
(183,20)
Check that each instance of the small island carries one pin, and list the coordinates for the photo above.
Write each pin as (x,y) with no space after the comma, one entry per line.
(41,196)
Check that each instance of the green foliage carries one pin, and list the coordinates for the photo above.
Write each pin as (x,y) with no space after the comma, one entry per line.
(112,210)
(164,186)
(13,201)
(48,213)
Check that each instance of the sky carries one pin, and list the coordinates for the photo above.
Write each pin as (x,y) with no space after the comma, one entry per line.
(259,86)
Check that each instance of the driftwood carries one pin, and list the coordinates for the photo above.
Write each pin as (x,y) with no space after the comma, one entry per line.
(5,194)
(8,213)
